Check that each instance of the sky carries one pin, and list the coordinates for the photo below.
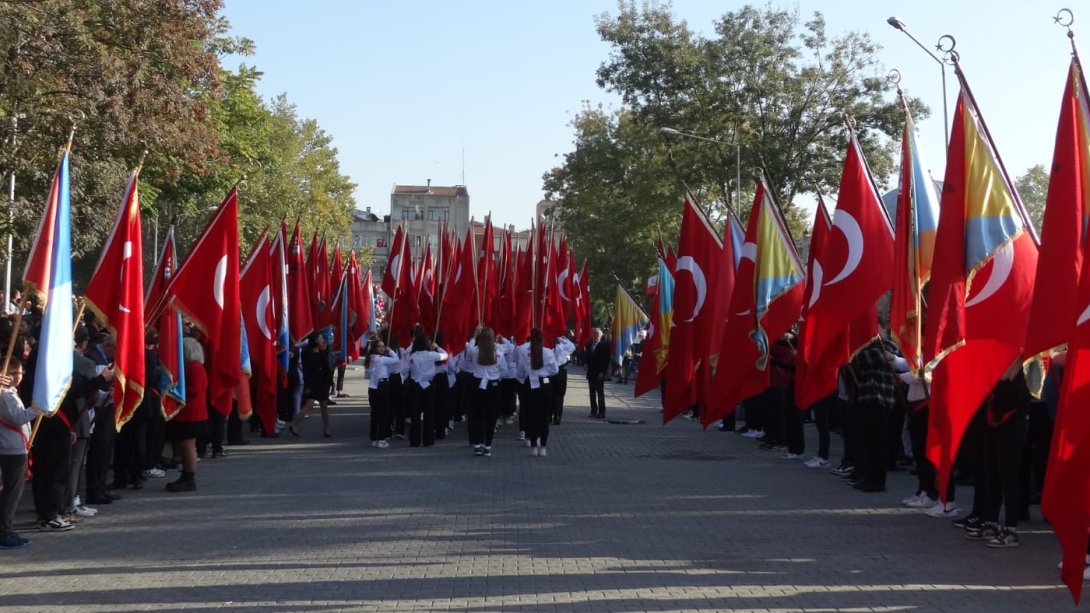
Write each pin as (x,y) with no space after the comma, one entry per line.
(481,93)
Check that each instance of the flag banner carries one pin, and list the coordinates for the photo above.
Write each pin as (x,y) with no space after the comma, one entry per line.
(211,301)
(657,343)
(770,303)
(855,265)
(724,288)
(115,294)
(1063,231)
(699,254)
(914,247)
(628,320)
(981,283)
(279,263)
(259,318)
(301,322)
(584,326)
(169,326)
(49,272)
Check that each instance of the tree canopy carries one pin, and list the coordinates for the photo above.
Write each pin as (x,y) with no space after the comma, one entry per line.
(767,86)
(135,75)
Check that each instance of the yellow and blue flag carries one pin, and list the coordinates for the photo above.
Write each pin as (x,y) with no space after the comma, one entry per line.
(628,320)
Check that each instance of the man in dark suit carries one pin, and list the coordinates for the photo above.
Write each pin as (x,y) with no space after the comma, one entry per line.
(598,361)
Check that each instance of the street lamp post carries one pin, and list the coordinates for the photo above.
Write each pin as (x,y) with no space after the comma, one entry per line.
(737,156)
(899,25)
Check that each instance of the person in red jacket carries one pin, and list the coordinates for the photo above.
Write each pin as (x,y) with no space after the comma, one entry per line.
(189,423)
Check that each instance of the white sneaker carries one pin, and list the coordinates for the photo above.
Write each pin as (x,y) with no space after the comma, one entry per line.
(943,511)
(154,473)
(791,456)
(913,500)
(84,512)
(754,434)
(509,420)
(922,502)
(816,462)
(542,452)
(382,444)
(87,509)
(533,451)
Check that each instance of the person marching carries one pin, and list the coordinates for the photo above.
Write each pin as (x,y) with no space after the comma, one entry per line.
(562,352)
(317,381)
(488,366)
(539,365)
(421,397)
(380,359)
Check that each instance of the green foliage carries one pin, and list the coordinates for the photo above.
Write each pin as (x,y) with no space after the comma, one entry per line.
(1032,186)
(767,87)
(136,75)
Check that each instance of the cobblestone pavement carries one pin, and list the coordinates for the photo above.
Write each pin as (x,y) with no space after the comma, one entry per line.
(619,517)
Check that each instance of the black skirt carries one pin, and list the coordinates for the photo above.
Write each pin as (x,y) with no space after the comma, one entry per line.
(182,430)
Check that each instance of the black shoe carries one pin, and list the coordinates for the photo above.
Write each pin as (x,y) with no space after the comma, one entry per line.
(331,402)
(99,500)
(293,431)
(972,522)
(113,496)
(182,485)
(238,443)
(869,487)
(327,435)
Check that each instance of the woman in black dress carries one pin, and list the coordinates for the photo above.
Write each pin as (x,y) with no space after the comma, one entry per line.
(317,380)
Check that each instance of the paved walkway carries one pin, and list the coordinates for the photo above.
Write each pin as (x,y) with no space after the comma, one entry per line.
(617,518)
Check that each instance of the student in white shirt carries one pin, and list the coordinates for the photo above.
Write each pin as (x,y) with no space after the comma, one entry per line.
(488,366)
(379,361)
(14,443)
(423,364)
(539,364)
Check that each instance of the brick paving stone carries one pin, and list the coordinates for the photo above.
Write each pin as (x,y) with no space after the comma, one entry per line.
(617,518)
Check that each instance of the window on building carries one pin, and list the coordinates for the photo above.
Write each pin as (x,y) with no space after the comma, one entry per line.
(438,214)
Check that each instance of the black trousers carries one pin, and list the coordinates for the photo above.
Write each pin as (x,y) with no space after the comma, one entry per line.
(483,413)
(772,415)
(379,399)
(508,389)
(874,421)
(398,403)
(1035,453)
(1003,462)
(421,408)
(537,419)
(792,419)
(822,410)
(234,426)
(217,427)
(99,451)
(560,387)
(130,452)
(156,437)
(13,478)
(340,378)
(597,396)
(917,431)
(442,394)
(522,390)
(50,459)
(753,413)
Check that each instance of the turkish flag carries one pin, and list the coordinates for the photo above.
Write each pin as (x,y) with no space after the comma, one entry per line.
(455,319)
(554,322)
(169,326)
(487,287)
(116,295)
(853,269)
(699,255)
(392,278)
(425,292)
(1063,230)
(259,316)
(720,303)
(300,319)
(211,301)
(584,325)
(503,311)
(981,286)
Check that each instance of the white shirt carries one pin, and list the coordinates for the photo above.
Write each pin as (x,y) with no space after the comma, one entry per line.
(491,372)
(916,385)
(379,370)
(422,366)
(563,350)
(539,375)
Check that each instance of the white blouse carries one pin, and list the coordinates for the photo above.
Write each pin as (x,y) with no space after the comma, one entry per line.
(422,365)
(379,370)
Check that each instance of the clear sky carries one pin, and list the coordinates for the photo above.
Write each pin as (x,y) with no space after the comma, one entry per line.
(406,87)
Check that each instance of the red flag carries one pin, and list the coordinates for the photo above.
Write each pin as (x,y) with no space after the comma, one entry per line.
(487,288)
(317,267)
(1064,227)
(524,294)
(301,321)
(457,307)
(169,327)
(211,301)
(405,311)
(502,314)
(699,254)
(981,284)
(807,386)
(649,374)
(392,278)
(425,291)
(115,295)
(336,269)
(758,316)
(554,321)
(359,319)
(724,288)
(584,325)
(259,316)
(854,269)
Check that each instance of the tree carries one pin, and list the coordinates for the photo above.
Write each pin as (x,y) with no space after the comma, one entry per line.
(1033,188)
(778,87)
